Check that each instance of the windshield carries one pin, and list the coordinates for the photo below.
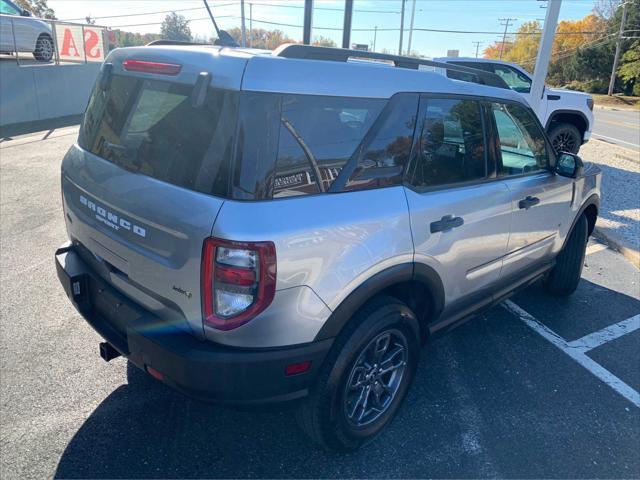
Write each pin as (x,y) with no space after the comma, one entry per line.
(152,127)
(516,80)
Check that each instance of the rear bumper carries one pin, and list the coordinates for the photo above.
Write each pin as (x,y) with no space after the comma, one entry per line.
(199,369)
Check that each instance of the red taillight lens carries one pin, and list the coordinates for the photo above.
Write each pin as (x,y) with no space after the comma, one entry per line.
(151,67)
(238,281)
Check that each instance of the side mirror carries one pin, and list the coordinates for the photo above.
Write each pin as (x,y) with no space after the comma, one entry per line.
(25,13)
(569,165)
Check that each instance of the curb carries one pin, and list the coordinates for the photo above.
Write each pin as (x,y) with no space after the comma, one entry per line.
(616,243)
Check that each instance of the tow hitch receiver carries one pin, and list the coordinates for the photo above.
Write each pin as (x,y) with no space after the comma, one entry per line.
(107,352)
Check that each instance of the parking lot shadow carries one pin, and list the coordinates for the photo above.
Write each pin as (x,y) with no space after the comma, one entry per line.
(491,399)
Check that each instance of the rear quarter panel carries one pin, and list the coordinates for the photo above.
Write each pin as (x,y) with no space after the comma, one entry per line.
(329,244)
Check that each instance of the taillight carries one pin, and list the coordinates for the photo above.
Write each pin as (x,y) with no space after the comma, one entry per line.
(238,281)
(151,67)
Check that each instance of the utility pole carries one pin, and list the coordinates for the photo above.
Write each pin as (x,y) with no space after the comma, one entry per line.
(375,34)
(477,44)
(504,36)
(413,14)
(616,59)
(251,25)
(401,26)
(244,32)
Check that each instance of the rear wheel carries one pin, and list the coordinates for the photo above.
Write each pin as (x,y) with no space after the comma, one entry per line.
(565,137)
(565,276)
(44,48)
(365,378)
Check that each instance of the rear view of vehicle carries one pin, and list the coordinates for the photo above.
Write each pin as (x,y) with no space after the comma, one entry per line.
(253,227)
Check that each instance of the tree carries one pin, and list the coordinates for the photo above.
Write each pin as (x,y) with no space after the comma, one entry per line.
(175,27)
(130,39)
(321,41)
(266,39)
(630,69)
(39,8)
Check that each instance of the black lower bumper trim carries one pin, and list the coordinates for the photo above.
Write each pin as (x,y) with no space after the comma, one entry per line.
(200,369)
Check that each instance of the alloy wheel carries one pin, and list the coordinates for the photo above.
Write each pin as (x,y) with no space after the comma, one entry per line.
(375,378)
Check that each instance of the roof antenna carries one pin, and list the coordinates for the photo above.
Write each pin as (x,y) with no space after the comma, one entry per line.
(224,39)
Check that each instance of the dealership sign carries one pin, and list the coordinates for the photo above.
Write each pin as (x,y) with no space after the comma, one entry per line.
(80,43)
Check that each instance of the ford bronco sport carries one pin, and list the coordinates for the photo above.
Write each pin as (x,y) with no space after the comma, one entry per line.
(259,227)
(566,115)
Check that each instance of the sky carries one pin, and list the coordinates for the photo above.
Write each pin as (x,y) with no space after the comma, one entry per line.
(466,15)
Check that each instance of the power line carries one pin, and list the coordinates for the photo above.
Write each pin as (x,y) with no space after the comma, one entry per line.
(323,8)
(160,23)
(569,51)
(148,13)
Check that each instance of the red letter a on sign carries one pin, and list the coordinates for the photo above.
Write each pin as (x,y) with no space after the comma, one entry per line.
(67,44)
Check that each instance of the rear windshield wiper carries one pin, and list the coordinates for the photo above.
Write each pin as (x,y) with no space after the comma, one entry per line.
(307,152)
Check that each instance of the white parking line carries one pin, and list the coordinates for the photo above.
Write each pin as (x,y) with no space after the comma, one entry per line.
(595,339)
(577,352)
(596,135)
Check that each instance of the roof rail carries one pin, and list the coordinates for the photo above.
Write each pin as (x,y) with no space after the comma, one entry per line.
(309,52)
(173,42)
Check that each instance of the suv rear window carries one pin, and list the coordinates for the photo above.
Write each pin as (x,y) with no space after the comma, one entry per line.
(151,127)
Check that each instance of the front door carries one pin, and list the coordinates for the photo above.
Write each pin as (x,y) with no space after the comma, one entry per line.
(459,214)
(540,199)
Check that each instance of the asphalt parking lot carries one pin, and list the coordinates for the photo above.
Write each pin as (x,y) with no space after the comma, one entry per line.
(538,387)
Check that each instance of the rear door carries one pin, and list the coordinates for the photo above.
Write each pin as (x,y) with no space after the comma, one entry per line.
(540,199)
(144,184)
(459,211)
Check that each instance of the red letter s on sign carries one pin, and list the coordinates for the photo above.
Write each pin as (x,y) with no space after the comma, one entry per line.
(91,41)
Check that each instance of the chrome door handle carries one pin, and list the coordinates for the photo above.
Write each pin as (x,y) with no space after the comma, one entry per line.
(446,223)
(528,202)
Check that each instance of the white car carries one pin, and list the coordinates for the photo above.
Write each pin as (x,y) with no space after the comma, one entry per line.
(19,32)
(566,115)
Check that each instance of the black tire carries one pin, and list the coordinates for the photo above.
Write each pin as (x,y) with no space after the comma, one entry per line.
(44,48)
(565,137)
(324,416)
(565,276)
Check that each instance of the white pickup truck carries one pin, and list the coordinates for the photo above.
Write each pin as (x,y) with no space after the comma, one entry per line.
(566,115)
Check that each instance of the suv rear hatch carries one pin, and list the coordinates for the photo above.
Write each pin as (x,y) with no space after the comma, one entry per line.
(145,182)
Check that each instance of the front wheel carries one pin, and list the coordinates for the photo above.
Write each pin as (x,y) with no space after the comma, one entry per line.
(565,137)
(565,275)
(44,49)
(365,377)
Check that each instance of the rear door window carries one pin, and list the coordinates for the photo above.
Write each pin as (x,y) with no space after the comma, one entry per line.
(318,135)
(452,144)
(151,127)
(387,147)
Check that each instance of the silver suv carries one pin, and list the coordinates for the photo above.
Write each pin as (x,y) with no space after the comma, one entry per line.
(256,227)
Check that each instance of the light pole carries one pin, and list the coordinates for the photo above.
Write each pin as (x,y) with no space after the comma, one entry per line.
(413,14)
(401,26)
(375,34)
(251,25)
(244,32)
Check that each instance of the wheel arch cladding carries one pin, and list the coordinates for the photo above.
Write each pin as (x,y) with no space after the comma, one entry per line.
(417,285)
(572,117)
(590,210)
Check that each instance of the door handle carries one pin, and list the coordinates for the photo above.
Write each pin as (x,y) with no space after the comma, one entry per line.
(446,223)
(528,202)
